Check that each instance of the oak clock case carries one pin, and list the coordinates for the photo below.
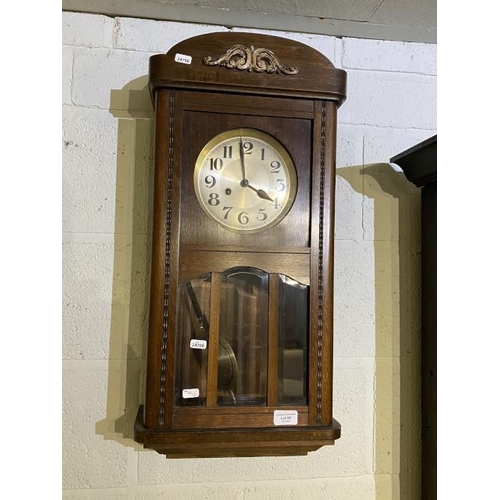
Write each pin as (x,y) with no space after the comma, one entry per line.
(240,343)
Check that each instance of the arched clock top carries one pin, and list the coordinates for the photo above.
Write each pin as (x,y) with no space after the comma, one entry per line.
(249,63)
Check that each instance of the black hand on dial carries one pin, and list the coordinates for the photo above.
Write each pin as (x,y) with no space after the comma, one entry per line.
(242,159)
(260,193)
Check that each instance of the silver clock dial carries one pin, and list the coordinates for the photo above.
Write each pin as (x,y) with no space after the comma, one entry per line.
(245,180)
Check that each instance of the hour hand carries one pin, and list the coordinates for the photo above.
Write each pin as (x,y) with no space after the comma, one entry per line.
(260,193)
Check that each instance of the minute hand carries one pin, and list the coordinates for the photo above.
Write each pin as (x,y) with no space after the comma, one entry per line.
(242,160)
(260,193)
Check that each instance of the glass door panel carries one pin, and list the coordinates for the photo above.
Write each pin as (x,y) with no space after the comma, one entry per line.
(243,333)
(243,336)
(192,342)
(292,341)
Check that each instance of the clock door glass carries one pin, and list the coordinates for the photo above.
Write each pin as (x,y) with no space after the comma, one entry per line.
(244,325)
(192,341)
(292,341)
(245,180)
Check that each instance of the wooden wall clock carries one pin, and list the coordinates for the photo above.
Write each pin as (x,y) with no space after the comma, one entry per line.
(240,346)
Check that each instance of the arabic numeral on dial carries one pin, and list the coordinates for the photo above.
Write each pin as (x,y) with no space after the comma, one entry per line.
(262,216)
(263,154)
(216,163)
(281,185)
(243,218)
(210,181)
(227,151)
(275,167)
(248,147)
(227,210)
(277,203)
(213,199)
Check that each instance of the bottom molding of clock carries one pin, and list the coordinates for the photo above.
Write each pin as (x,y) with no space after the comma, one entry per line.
(251,442)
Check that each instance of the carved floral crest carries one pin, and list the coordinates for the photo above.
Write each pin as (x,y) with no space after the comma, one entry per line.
(251,59)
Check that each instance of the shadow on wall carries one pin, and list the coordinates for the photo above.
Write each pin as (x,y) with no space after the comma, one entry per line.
(391,219)
(129,314)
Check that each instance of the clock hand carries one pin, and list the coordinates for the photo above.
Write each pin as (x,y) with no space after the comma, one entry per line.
(260,192)
(242,158)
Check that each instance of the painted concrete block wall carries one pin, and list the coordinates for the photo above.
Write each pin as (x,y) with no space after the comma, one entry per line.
(107,178)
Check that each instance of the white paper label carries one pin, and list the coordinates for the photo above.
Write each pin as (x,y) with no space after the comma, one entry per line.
(198,344)
(190,393)
(286,417)
(182,58)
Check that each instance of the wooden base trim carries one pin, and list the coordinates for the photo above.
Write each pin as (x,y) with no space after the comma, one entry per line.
(206,443)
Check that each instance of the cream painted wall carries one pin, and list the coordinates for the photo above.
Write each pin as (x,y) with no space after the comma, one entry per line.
(107,158)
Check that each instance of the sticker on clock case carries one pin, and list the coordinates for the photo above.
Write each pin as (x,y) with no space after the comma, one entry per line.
(183,58)
(286,417)
(197,344)
(190,393)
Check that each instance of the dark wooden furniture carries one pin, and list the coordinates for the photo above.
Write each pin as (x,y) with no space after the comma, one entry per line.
(419,164)
(240,346)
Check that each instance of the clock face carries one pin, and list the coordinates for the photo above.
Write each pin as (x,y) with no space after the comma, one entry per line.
(245,180)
